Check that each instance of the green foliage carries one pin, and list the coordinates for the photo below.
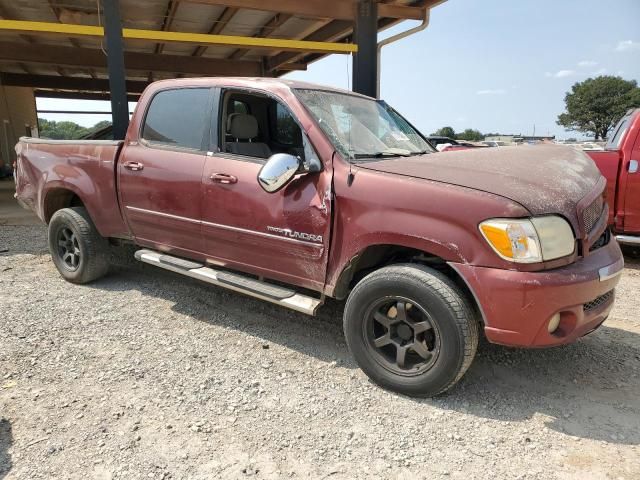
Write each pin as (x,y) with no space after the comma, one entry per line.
(100,125)
(445,132)
(595,105)
(66,130)
(471,135)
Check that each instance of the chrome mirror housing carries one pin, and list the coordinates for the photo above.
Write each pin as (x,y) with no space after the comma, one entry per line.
(278,171)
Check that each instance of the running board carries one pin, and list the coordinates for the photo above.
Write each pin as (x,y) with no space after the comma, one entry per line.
(282,296)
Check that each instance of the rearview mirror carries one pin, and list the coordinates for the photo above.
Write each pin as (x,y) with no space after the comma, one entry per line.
(278,171)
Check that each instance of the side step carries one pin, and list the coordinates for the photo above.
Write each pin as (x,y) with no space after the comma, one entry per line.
(282,296)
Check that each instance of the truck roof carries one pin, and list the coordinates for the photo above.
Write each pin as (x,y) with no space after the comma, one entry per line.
(256,82)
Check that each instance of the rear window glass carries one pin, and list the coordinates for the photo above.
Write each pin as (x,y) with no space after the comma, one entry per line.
(238,106)
(177,118)
(618,133)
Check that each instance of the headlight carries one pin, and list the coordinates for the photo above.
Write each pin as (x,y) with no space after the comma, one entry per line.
(529,241)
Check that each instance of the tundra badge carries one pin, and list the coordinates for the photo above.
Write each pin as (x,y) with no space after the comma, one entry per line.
(286,232)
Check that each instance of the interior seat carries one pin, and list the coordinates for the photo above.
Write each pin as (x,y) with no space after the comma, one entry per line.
(243,128)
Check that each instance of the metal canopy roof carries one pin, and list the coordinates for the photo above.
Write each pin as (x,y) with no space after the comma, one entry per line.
(65,55)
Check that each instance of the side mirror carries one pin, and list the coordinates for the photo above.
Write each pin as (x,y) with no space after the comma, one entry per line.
(278,171)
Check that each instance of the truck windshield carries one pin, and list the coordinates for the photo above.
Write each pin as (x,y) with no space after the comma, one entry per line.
(361,128)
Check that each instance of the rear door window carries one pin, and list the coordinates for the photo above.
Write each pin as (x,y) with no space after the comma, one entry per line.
(178,118)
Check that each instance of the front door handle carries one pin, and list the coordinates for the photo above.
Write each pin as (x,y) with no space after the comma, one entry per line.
(633,166)
(223,178)
(135,166)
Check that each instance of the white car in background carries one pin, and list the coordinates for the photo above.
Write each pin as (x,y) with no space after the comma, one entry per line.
(589,146)
(493,143)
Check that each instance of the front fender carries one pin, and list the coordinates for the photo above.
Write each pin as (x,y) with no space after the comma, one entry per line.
(438,219)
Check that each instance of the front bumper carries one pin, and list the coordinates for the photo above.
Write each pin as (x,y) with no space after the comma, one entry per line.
(517,306)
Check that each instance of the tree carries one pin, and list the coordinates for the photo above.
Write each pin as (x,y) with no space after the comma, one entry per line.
(100,125)
(471,135)
(60,130)
(66,130)
(445,132)
(595,105)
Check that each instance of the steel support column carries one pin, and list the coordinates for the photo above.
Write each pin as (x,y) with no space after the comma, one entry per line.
(365,69)
(115,66)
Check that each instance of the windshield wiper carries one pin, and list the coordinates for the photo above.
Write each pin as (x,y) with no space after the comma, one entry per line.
(379,155)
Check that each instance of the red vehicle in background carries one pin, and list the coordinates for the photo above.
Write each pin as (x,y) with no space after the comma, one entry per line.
(619,163)
(446,144)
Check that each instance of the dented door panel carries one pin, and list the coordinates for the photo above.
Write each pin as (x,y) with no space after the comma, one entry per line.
(268,234)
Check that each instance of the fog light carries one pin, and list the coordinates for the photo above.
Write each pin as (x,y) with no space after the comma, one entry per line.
(553,323)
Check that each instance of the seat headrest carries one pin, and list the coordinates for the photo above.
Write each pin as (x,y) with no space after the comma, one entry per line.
(229,117)
(242,126)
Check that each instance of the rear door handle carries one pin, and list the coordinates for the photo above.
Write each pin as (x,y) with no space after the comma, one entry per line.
(135,166)
(223,178)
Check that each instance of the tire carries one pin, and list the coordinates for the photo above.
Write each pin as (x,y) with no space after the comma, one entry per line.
(440,320)
(631,251)
(84,257)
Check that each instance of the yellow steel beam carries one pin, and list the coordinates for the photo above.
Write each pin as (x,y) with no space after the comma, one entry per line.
(68,29)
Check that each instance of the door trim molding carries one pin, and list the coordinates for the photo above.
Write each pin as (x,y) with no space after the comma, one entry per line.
(223,227)
(162,214)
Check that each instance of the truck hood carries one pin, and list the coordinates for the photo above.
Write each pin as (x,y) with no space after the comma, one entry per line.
(541,178)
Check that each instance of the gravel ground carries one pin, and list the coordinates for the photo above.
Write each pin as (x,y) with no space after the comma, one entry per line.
(146,374)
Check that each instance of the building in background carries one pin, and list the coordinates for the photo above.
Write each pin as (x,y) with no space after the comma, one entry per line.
(518,138)
(17,118)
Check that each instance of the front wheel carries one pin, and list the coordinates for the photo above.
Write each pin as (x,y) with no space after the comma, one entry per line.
(78,251)
(411,329)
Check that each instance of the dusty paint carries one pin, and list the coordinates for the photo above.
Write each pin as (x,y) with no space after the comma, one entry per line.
(542,178)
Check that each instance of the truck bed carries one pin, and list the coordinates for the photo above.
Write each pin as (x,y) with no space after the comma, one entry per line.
(51,171)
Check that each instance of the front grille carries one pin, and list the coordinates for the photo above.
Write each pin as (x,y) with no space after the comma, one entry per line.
(592,213)
(602,299)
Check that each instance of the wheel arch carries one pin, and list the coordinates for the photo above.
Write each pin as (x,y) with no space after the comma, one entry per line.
(59,197)
(375,256)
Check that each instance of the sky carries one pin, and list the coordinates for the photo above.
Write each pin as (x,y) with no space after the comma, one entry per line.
(493,65)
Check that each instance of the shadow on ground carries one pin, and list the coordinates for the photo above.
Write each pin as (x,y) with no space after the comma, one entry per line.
(23,239)
(589,389)
(631,259)
(6,439)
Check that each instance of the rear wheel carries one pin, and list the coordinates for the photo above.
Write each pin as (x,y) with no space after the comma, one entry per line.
(78,251)
(411,329)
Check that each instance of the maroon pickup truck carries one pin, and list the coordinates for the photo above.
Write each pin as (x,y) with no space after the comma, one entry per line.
(619,164)
(292,192)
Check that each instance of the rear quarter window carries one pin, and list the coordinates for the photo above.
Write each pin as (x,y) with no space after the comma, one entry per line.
(177,118)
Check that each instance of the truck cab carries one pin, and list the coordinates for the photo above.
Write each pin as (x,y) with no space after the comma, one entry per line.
(618,162)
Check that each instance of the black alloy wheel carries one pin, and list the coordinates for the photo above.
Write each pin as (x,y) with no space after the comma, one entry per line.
(402,335)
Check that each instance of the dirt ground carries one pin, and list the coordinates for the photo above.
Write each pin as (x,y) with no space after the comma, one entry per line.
(145,374)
